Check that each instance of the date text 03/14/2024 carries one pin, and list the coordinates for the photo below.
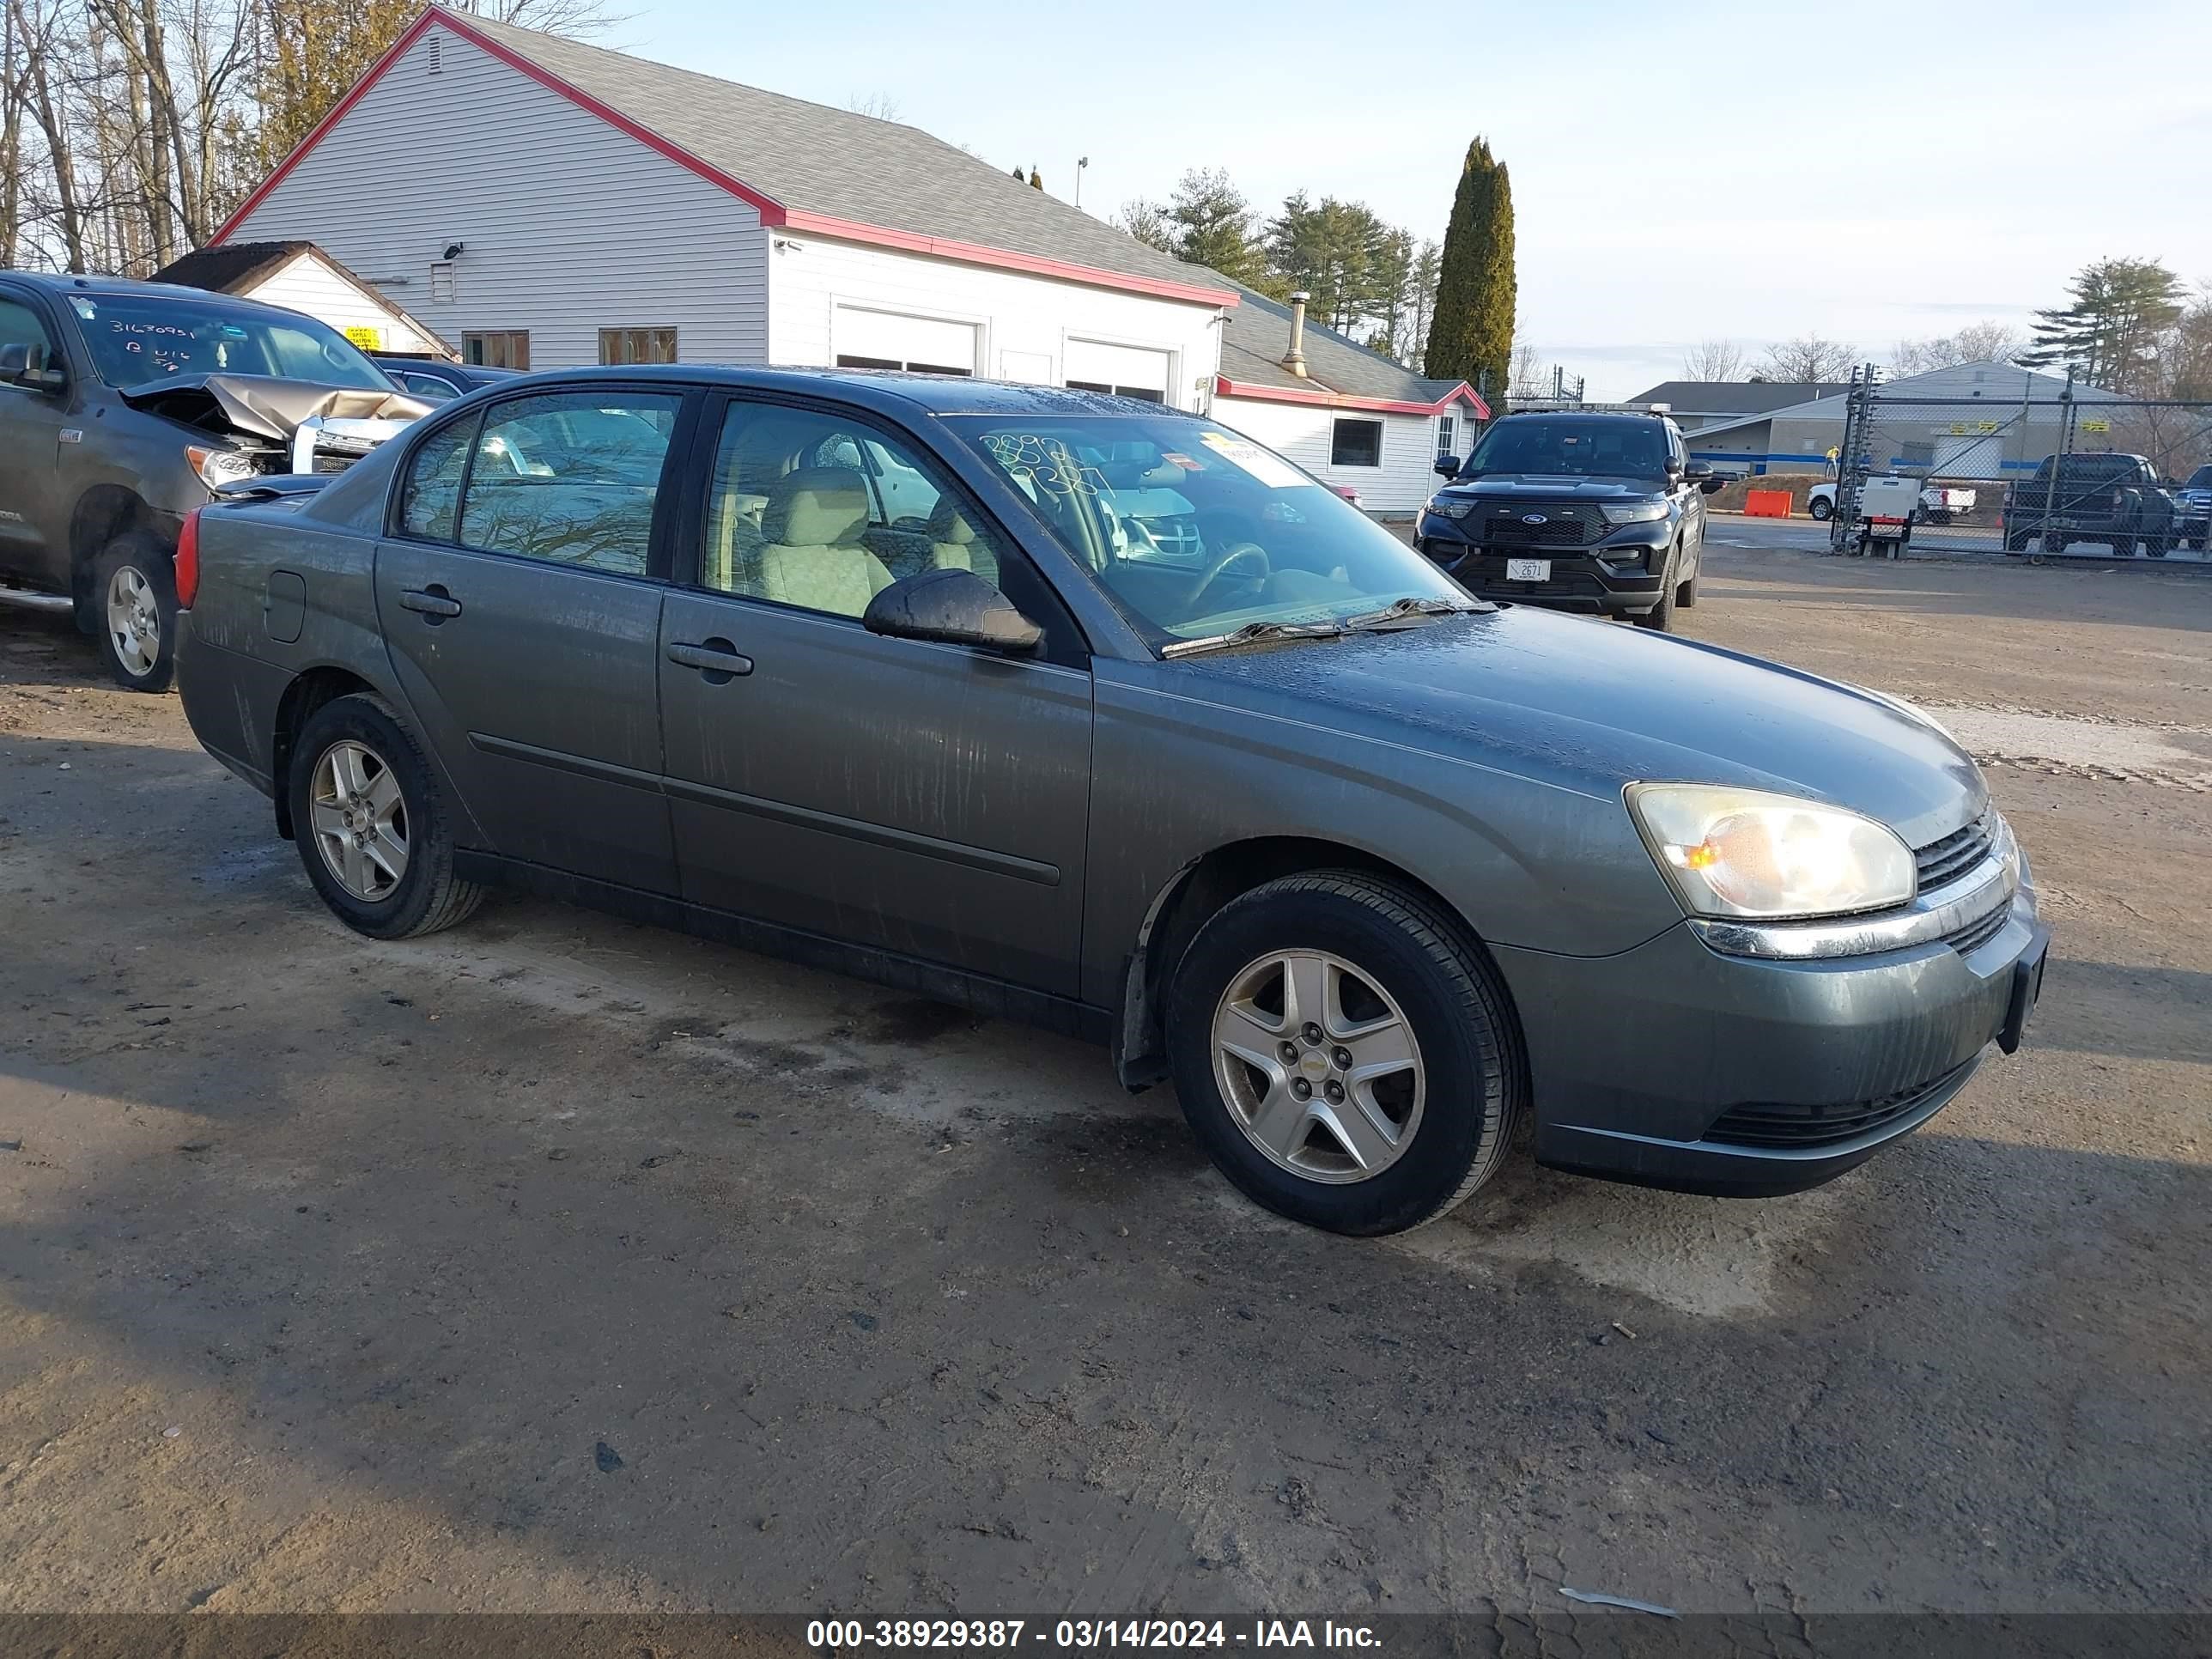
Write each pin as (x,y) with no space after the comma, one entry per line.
(835,1634)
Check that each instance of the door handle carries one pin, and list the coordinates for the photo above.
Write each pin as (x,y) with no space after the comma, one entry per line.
(717,659)
(433,602)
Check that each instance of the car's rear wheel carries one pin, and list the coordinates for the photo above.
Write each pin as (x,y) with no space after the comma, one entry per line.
(1344,1053)
(134,594)
(1822,508)
(371,824)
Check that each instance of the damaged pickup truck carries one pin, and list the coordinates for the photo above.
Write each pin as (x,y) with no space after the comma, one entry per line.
(123,406)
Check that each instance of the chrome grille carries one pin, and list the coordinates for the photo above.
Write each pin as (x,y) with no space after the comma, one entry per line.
(1975,934)
(1948,859)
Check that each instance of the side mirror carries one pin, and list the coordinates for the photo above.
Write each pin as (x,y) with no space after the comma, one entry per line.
(1446,467)
(952,607)
(1697,469)
(26,366)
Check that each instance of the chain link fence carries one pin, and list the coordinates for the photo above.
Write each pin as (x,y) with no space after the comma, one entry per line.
(2083,473)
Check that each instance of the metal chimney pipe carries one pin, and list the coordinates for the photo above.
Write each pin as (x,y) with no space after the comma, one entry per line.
(1295,358)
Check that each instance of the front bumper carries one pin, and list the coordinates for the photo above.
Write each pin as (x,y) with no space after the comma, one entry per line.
(1674,1066)
(1623,575)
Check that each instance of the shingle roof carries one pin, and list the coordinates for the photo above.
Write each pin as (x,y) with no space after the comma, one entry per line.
(834,164)
(1735,396)
(1256,335)
(229,267)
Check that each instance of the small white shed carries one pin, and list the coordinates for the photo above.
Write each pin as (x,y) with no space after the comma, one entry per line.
(300,276)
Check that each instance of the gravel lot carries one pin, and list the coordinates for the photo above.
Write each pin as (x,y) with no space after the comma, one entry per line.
(558,1263)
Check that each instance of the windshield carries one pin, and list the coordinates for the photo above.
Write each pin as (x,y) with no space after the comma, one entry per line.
(1197,532)
(136,339)
(1571,449)
(2200,479)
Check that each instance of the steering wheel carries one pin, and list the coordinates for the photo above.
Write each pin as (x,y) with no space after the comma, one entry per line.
(1229,555)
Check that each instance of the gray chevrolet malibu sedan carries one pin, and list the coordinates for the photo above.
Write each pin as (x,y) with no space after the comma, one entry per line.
(1084,712)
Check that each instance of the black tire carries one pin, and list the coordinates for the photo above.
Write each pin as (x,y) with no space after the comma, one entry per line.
(2124,546)
(140,561)
(1661,617)
(1822,508)
(1451,999)
(1686,594)
(426,896)
(2157,547)
(2055,543)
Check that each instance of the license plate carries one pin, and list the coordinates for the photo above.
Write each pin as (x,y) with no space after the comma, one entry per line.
(1885,530)
(1528,570)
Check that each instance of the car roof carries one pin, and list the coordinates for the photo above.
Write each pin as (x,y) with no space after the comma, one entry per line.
(1585,413)
(892,391)
(62,286)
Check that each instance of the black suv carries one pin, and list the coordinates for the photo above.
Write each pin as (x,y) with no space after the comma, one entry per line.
(1576,509)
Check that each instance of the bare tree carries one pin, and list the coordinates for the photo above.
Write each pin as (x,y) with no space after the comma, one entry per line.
(879,105)
(1977,342)
(1809,358)
(1713,359)
(1148,222)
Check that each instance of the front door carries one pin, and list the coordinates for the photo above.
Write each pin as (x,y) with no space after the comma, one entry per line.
(520,596)
(921,798)
(33,525)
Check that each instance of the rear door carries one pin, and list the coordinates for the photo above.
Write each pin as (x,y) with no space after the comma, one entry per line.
(520,592)
(923,799)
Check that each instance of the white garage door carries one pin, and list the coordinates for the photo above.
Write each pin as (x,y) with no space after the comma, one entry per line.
(1130,371)
(890,339)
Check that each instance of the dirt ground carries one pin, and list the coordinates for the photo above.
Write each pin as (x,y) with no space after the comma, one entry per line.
(559,1263)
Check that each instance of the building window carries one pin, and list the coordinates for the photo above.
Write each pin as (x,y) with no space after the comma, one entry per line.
(1356,443)
(637,345)
(500,347)
(1447,436)
(849,360)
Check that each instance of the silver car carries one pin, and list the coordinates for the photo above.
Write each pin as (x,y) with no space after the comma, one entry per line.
(1088,712)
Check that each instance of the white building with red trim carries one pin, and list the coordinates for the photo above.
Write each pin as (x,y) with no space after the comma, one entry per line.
(1351,416)
(540,202)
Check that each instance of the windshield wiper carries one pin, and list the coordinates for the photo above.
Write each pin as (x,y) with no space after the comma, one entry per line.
(1254,633)
(1400,610)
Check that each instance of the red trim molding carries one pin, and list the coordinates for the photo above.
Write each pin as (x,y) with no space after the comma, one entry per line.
(1004,259)
(773,214)
(1462,393)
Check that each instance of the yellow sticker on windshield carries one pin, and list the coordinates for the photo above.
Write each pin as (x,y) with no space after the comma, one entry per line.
(1270,470)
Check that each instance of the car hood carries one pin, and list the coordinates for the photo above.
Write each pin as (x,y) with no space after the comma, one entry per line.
(1593,707)
(1551,486)
(264,406)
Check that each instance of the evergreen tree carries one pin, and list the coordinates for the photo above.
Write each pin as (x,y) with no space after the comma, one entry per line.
(2110,335)
(1213,224)
(1471,335)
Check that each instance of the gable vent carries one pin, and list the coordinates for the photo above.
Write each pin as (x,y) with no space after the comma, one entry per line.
(434,61)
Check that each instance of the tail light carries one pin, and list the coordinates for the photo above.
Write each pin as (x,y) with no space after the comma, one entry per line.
(188,560)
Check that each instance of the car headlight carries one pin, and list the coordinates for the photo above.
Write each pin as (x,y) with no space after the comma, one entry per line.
(1633,512)
(217,467)
(1748,855)
(1451,509)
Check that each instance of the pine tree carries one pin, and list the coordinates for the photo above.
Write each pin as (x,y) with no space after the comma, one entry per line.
(1471,335)
(1213,224)
(2109,335)
(1020,175)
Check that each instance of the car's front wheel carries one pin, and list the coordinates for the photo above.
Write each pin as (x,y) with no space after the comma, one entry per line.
(371,824)
(134,595)
(1344,1053)
(1822,508)
(1661,617)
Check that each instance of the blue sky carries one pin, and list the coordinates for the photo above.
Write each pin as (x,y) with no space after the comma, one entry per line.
(1681,172)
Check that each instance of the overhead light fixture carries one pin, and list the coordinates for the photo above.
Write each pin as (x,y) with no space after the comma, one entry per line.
(452,251)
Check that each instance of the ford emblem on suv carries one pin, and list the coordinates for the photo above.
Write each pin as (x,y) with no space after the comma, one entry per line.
(1534,518)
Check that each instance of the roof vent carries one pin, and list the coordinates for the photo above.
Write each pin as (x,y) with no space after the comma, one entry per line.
(433,61)
(1295,359)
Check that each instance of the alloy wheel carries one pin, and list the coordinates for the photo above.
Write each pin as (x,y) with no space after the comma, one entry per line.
(134,621)
(1319,1065)
(359,820)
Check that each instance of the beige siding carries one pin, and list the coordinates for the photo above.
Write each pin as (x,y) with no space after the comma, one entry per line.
(1023,324)
(1304,434)
(308,285)
(569,225)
